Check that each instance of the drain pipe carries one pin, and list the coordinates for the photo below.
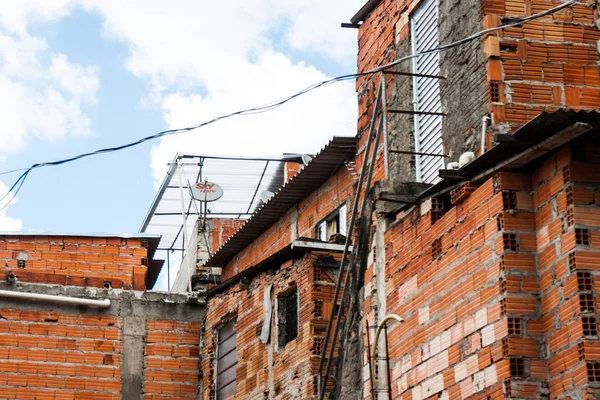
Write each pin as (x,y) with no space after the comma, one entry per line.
(374,348)
(104,303)
(484,126)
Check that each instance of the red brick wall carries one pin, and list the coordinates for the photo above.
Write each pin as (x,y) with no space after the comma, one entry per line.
(222,230)
(295,366)
(543,65)
(76,260)
(513,74)
(336,191)
(291,169)
(171,360)
(499,295)
(47,355)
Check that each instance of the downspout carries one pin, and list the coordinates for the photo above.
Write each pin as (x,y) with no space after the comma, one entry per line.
(104,303)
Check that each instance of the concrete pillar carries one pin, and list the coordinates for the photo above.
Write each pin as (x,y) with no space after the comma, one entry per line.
(132,365)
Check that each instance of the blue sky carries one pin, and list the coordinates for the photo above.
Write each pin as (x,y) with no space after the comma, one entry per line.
(81,75)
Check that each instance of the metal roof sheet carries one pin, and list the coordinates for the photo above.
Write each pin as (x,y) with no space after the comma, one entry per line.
(314,173)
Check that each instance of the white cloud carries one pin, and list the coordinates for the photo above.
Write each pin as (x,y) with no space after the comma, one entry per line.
(208,59)
(303,125)
(41,100)
(204,60)
(8,223)
(200,59)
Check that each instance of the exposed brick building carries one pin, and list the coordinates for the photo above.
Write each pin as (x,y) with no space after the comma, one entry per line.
(491,267)
(123,343)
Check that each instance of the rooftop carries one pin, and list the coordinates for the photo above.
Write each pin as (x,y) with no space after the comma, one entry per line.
(314,173)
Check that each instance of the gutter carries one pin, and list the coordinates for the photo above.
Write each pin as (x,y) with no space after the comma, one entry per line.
(104,303)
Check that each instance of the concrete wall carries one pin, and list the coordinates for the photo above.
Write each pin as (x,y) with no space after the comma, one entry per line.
(144,346)
(206,238)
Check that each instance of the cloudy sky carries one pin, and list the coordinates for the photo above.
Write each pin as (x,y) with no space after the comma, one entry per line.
(78,75)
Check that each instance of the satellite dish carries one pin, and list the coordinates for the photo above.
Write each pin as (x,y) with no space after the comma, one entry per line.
(206,191)
(266,195)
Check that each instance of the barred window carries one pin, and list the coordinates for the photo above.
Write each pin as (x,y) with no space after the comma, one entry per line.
(287,317)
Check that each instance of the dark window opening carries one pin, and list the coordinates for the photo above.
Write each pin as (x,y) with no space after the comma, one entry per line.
(287,317)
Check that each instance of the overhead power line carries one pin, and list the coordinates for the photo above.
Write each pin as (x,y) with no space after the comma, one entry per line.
(273,105)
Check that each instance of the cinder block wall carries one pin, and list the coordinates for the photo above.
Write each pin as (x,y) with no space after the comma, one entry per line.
(545,64)
(498,293)
(270,370)
(511,75)
(76,260)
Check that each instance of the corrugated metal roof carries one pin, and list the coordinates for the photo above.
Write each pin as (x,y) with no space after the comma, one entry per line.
(317,171)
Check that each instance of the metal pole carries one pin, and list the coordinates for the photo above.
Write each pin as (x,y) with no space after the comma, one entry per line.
(168,272)
(369,359)
(415,75)
(347,279)
(184,226)
(345,252)
(387,362)
(419,153)
(377,332)
(384,123)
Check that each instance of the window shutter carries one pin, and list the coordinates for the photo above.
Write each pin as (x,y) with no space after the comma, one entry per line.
(428,128)
(227,360)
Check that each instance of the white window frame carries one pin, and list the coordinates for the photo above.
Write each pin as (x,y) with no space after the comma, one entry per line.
(339,217)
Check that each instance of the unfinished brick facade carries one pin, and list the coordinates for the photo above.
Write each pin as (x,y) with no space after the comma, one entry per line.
(141,345)
(281,372)
(510,75)
(498,294)
(300,221)
(76,260)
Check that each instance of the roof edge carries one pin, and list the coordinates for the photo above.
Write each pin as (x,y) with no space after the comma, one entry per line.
(364,11)
(98,235)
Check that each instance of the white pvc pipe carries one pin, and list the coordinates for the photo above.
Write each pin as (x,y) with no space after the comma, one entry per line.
(484,126)
(104,303)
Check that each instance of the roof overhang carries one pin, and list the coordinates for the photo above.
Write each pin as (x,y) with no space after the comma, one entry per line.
(534,140)
(364,11)
(310,178)
(297,249)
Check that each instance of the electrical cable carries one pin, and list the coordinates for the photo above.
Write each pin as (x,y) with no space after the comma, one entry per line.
(275,104)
